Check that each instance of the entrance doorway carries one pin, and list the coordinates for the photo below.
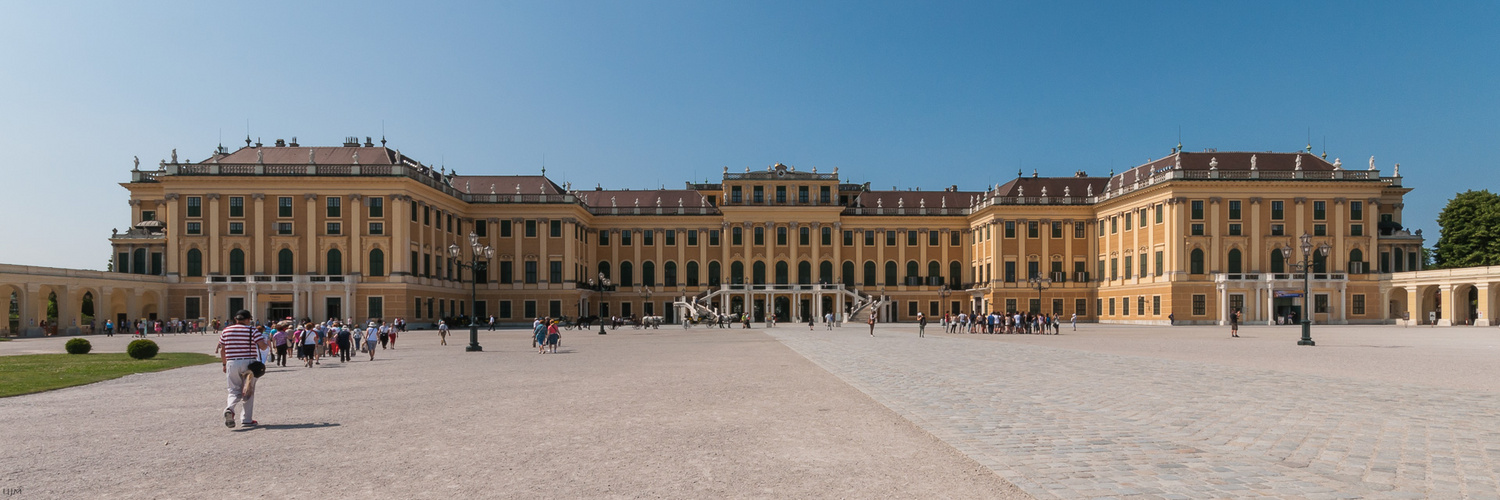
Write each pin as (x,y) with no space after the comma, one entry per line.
(279,311)
(760,310)
(1289,309)
(333,307)
(783,308)
(827,306)
(805,306)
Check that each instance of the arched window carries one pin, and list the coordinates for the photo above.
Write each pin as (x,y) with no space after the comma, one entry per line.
(955,275)
(604,270)
(335,262)
(804,273)
(1196,261)
(782,270)
(848,272)
(284,262)
(627,274)
(1234,261)
(377,262)
(890,273)
(934,269)
(825,272)
(1356,256)
(758,272)
(869,273)
(913,270)
(1278,263)
(236,262)
(1320,262)
(692,273)
(737,273)
(648,273)
(714,273)
(669,274)
(194,262)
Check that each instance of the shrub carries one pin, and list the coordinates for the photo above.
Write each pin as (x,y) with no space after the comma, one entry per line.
(142,349)
(78,346)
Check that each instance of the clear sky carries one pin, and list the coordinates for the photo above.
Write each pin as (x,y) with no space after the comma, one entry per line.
(641,94)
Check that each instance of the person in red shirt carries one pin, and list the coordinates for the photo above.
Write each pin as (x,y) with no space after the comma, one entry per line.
(239,346)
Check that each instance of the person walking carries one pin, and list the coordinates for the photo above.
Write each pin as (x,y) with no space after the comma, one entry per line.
(281,338)
(1234,323)
(308,348)
(811,320)
(921,326)
(492,322)
(371,335)
(553,336)
(343,338)
(539,335)
(443,331)
(392,335)
(828,321)
(872,323)
(239,345)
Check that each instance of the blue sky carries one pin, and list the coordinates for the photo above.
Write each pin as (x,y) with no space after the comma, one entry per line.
(641,94)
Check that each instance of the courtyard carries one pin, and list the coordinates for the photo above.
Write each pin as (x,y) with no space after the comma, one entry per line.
(1107,411)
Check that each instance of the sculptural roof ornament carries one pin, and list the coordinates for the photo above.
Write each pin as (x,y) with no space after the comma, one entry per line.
(1299,163)
(1213,163)
(1338,164)
(1372,163)
(1252,162)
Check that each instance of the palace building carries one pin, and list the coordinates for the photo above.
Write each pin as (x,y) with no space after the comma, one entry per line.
(364,231)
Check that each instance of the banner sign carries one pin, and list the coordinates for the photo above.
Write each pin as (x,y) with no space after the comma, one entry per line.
(1284,294)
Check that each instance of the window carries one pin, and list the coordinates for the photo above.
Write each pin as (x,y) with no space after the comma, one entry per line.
(334,228)
(1156,305)
(508,272)
(869,238)
(1142,217)
(955,238)
(603,236)
(1159,263)
(531,229)
(194,307)
(426,215)
(1128,225)
(1158,210)
(760,194)
(911,238)
(625,237)
(194,263)
(1032,230)
(194,206)
(427,265)
(505,232)
(780,194)
(236,228)
(555,271)
(505,311)
(671,237)
(1196,261)
(737,236)
(804,236)
(760,235)
(1278,229)
(1078,230)
(1357,308)
(1234,229)
(1057,231)
(236,262)
(1197,210)
(1356,210)
(1010,229)
(1114,225)
(1098,306)
(823,194)
(890,238)
(781,236)
(195,228)
(1128,261)
(1356,230)
(414,212)
(1320,229)
(376,307)
(1111,306)
(529,308)
(555,227)
(827,236)
(335,206)
(377,207)
(236,206)
(1320,303)
(335,262)
(481,228)
(1197,229)
(377,262)
(713,237)
(1278,210)
(283,228)
(1125,306)
(802,194)
(1010,271)
(648,237)
(530,273)
(1320,210)
(1114,268)
(1235,263)
(735,194)
(377,228)
(934,238)
(1200,304)
(848,238)
(1234,209)
(1101,227)
(692,237)
(1081,307)
(1142,261)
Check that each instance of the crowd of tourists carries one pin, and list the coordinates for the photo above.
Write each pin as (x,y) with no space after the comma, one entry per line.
(1004,323)
(144,327)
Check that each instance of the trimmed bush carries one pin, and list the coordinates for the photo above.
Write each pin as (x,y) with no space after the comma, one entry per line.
(78,346)
(142,349)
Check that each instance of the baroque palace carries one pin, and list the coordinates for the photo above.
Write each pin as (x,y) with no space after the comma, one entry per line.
(363,231)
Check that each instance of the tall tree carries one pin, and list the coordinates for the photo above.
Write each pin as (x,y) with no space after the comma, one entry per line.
(1471,231)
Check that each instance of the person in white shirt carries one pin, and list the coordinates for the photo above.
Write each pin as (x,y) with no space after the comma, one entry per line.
(372,335)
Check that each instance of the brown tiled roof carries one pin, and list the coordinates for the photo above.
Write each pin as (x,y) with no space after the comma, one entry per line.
(336,155)
(505,184)
(1057,187)
(644,199)
(1226,160)
(915,199)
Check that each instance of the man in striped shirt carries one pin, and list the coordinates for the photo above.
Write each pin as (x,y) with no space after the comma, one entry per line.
(239,346)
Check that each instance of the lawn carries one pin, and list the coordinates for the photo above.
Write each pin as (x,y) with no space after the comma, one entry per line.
(31,373)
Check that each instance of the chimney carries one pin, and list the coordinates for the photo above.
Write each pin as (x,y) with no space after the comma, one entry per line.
(294,142)
(351,142)
(280,143)
(368,142)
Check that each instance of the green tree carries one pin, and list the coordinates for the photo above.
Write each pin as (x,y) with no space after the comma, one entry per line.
(1471,231)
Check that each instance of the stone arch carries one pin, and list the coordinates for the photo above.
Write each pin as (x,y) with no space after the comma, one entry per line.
(194,259)
(151,305)
(1429,304)
(14,299)
(1465,303)
(1234,261)
(1396,304)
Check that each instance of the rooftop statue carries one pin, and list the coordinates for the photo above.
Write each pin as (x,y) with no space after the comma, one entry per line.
(138,162)
(1372,163)
(174,155)
(1252,162)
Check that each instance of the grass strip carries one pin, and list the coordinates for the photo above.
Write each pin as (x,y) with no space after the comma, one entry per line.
(33,373)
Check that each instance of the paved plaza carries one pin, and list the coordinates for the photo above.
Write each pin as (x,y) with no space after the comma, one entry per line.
(1105,412)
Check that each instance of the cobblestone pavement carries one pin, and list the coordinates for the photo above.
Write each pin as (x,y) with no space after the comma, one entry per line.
(1070,423)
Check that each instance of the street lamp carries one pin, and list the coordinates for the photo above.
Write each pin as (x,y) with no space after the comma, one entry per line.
(603,288)
(475,267)
(1039,282)
(1306,246)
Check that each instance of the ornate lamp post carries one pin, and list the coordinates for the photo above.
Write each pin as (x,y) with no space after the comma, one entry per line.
(1306,266)
(475,267)
(1040,283)
(603,288)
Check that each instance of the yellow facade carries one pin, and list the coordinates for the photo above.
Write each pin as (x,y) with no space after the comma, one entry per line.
(362,231)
